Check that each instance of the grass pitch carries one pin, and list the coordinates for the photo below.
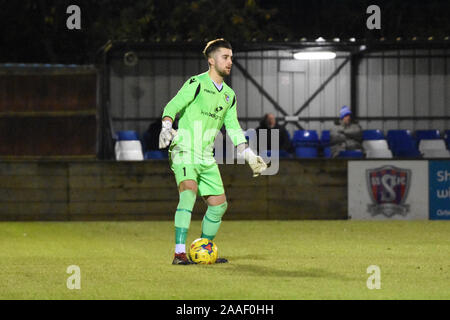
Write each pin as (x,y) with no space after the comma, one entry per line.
(268,260)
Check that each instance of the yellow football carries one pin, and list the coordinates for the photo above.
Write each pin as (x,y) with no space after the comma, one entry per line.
(203,251)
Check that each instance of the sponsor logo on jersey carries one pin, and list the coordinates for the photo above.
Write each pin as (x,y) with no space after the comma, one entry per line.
(209,91)
(192,81)
(388,187)
(219,108)
(211,115)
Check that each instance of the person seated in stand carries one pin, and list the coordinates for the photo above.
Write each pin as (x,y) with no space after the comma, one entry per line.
(269,122)
(346,135)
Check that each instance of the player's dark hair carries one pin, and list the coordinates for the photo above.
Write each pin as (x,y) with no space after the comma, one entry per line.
(213,45)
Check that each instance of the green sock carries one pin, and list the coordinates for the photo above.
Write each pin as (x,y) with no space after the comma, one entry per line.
(212,220)
(183,215)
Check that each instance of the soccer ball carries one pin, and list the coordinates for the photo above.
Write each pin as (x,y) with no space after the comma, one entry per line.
(203,251)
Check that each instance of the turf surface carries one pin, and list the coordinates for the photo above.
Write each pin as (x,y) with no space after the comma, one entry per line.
(268,260)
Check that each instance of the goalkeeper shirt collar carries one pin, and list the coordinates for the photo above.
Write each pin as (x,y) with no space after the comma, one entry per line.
(219,87)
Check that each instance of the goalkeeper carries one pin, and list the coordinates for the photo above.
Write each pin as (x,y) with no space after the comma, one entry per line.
(204,103)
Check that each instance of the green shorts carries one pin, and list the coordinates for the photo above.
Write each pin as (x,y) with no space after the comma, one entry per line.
(207,175)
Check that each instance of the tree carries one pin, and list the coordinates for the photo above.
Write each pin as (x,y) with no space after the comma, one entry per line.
(35,31)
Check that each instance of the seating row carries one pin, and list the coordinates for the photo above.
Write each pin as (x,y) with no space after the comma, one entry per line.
(129,147)
(397,143)
(307,144)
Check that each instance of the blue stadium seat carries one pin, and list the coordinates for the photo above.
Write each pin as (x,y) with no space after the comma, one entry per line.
(325,143)
(325,138)
(353,154)
(306,143)
(327,152)
(373,135)
(447,138)
(305,138)
(128,147)
(306,152)
(402,144)
(155,154)
(283,154)
(427,135)
(127,135)
(144,139)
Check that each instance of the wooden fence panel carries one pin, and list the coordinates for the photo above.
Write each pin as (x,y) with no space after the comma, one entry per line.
(146,190)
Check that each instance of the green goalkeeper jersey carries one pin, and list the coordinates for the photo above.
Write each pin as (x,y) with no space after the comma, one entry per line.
(203,110)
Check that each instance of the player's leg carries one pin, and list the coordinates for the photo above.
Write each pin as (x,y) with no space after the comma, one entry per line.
(217,206)
(210,187)
(185,176)
(187,196)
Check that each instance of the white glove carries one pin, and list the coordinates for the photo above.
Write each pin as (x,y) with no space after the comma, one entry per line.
(255,162)
(167,134)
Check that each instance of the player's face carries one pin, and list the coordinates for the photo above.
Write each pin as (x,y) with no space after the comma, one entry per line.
(223,61)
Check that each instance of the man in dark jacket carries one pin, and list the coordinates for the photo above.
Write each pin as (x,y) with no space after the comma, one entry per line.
(269,122)
(347,135)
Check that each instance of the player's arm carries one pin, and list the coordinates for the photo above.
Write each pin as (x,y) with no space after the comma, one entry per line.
(182,99)
(234,130)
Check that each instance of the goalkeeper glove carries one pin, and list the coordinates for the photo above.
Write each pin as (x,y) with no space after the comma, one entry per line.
(255,162)
(167,134)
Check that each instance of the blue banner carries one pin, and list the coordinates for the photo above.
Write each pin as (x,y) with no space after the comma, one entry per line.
(439,187)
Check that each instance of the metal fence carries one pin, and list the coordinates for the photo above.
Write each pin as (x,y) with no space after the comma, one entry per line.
(407,89)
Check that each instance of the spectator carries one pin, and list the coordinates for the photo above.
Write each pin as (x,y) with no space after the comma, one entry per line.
(347,135)
(269,122)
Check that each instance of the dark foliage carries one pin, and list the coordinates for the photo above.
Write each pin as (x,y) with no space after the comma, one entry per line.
(35,30)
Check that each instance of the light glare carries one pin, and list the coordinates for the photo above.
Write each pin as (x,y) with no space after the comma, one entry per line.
(318,55)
